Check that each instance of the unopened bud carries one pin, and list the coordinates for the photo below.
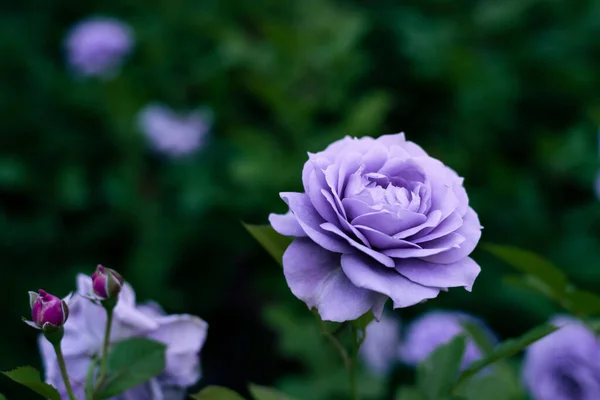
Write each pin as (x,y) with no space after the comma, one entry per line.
(47,311)
(107,283)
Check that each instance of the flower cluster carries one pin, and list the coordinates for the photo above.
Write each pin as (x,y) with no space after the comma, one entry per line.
(378,219)
(83,325)
(97,47)
(385,345)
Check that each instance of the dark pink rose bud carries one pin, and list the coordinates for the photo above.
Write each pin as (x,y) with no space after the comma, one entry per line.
(47,311)
(106,282)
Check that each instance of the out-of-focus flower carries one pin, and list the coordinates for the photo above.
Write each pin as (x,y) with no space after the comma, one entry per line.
(184,336)
(106,283)
(396,220)
(564,365)
(47,311)
(429,331)
(380,350)
(171,133)
(97,46)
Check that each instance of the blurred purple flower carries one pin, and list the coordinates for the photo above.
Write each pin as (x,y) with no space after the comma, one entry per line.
(380,350)
(184,336)
(396,221)
(564,365)
(171,133)
(96,46)
(429,331)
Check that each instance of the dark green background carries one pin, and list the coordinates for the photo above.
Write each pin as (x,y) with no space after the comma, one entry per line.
(505,92)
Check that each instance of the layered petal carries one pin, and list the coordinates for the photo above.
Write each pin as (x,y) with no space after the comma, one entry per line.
(461,273)
(315,276)
(365,274)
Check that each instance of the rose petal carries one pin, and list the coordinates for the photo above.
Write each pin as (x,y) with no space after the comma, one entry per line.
(460,273)
(448,225)
(184,336)
(314,276)
(436,246)
(471,230)
(385,260)
(433,219)
(350,229)
(374,159)
(390,222)
(286,224)
(381,241)
(369,275)
(314,191)
(310,220)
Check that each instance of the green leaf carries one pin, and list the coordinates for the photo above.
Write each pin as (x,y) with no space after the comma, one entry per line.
(533,265)
(492,386)
(409,393)
(272,241)
(438,373)
(216,393)
(132,362)
(582,303)
(507,349)
(2,397)
(30,377)
(481,338)
(364,320)
(266,393)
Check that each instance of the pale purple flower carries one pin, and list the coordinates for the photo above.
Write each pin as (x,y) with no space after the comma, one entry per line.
(97,46)
(378,219)
(380,349)
(564,365)
(427,332)
(184,336)
(174,134)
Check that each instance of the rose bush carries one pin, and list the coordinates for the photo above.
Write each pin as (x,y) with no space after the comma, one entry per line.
(378,219)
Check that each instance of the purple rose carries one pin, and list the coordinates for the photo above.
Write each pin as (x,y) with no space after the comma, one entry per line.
(171,133)
(381,347)
(184,336)
(97,46)
(431,330)
(564,365)
(378,218)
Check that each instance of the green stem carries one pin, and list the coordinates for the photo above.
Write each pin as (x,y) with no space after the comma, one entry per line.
(63,371)
(352,364)
(109,318)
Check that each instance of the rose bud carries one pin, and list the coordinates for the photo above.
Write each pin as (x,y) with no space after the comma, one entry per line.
(47,311)
(106,282)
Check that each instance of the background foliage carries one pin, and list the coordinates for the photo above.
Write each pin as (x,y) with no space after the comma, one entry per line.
(507,93)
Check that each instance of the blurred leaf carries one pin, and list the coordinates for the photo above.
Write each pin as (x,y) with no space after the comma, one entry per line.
(507,349)
(364,320)
(89,379)
(267,393)
(582,303)
(437,374)
(492,386)
(532,264)
(2,397)
(479,335)
(272,241)
(30,377)
(216,393)
(132,362)
(409,393)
